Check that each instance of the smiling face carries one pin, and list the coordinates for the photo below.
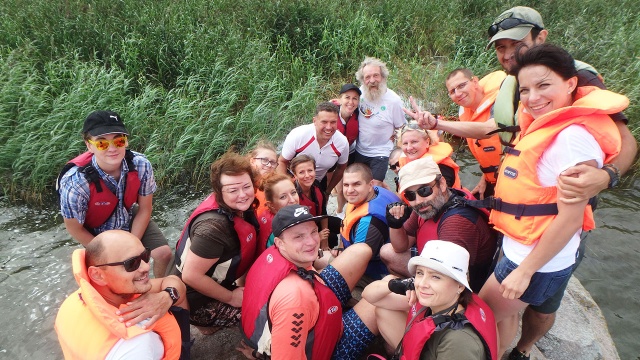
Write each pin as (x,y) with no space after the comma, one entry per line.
(237,191)
(305,173)
(326,124)
(464,91)
(284,193)
(542,90)
(506,49)
(435,290)
(300,243)
(414,144)
(349,102)
(114,283)
(375,85)
(258,161)
(356,189)
(110,159)
(428,207)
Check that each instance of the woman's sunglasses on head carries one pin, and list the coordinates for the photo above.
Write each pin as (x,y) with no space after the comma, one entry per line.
(132,264)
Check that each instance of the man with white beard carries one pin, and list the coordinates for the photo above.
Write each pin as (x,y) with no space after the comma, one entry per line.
(380,113)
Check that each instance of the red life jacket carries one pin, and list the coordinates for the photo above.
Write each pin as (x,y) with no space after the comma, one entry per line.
(315,202)
(247,236)
(350,129)
(102,204)
(266,273)
(477,313)
(265,218)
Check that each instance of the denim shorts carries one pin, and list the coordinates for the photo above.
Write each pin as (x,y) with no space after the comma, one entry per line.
(542,285)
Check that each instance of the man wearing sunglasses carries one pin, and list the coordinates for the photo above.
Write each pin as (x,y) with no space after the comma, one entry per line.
(432,211)
(109,187)
(329,147)
(113,279)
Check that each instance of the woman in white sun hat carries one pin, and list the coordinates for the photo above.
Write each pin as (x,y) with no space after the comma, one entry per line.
(443,318)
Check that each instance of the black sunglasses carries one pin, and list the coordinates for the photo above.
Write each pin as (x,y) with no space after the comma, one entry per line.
(423,191)
(394,166)
(132,264)
(509,23)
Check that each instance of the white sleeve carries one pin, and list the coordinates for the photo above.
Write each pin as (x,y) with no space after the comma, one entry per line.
(147,346)
(571,146)
(289,147)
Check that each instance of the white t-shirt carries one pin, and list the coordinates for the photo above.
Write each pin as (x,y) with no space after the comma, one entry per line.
(573,145)
(147,346)
(374,134)
(336,150)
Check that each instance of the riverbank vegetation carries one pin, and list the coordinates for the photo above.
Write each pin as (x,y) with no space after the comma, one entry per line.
(192,78)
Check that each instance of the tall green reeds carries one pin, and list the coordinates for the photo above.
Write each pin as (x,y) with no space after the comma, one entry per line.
(192,78)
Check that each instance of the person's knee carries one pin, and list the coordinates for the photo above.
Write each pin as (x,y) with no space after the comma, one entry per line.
(162,254)
(539,317)
(358,252)
(387,254)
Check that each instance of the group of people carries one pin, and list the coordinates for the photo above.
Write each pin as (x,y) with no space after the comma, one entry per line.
(445,270)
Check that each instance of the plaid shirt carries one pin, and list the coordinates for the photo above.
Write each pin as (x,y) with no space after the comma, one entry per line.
(74,192)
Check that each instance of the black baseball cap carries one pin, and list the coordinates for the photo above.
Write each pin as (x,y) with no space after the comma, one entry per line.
(292,215)
(347,87)
(104,122)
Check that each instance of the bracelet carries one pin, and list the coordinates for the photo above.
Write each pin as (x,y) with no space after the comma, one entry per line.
(436,124)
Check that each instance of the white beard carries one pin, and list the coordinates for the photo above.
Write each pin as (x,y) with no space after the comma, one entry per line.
(376,94)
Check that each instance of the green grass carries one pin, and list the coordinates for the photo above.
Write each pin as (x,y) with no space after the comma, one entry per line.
(192,78)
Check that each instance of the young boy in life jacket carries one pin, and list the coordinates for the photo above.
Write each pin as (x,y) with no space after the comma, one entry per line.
(109,187)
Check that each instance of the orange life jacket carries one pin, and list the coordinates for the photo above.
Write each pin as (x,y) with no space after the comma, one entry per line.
(88,327)
(518,185)
(486,151)
(441,154)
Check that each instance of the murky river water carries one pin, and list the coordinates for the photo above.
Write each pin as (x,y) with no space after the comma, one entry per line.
(35,269)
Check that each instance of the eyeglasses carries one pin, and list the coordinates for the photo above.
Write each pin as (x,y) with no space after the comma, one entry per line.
(423,191)
(267,162)
(458,88)
(393,167)
(132,264)
(412,125)
(509,23)
(103,144)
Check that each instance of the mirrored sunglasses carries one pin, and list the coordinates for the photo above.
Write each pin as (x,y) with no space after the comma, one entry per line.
(423,191)
(103,144)
(132,264)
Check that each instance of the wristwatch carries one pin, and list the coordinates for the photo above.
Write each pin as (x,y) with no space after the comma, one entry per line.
(175,296)
(614,175)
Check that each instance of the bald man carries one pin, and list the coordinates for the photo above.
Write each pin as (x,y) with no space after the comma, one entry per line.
(119,312)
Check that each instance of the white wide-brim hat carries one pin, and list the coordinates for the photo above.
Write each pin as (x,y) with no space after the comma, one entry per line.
(444,257)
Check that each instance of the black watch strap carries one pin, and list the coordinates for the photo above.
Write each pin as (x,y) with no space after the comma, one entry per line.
(614,175)
(173,293)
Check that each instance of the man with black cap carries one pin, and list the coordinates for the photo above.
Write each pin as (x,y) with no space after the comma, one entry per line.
(111,188)
(321,140)
(291,312)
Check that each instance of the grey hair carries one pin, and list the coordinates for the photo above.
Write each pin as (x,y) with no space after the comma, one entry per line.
(384,71)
